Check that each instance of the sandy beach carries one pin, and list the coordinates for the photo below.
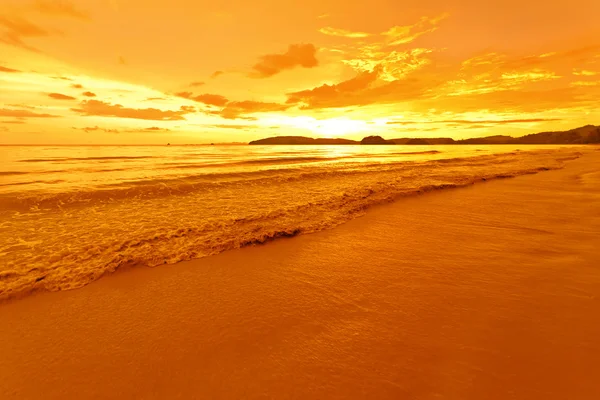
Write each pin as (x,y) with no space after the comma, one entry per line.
(485,292)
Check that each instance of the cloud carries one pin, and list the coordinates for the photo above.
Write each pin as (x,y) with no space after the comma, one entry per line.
(471,122)
(585,83)
(530,76)
(330,95)
(343,33)
(196,84)
(15,121)
(297,55)
(88,94)
(231,109)
(122,60)
(235,109)
(29,107)
(77,86)
(395,64)
(97,129)
(406,34)
(17,28)
(6,112)
(225,126)
(209,99)
(58,96)
(216,74)
(103,109)
(60,8)
(112,130)
(188,109)
(9,70)
(156,129)
(585,73)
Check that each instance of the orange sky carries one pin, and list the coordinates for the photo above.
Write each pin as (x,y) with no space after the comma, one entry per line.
(189,71)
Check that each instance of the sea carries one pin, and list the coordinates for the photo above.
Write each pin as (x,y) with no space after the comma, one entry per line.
(71,214)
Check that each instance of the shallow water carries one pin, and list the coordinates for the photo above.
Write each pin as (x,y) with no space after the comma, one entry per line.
(70,214)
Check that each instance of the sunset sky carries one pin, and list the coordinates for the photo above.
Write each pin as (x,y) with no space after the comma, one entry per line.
(189,71)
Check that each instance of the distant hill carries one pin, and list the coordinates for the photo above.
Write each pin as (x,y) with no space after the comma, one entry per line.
(584,135)
(498,139)
(376,140)
(588,134)
(427,140)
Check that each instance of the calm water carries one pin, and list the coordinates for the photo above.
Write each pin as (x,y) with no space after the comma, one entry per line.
(68,215)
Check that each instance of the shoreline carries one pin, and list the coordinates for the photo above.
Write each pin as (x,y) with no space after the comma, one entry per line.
(490,291)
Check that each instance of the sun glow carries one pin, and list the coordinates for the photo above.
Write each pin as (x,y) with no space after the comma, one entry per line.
(325,127)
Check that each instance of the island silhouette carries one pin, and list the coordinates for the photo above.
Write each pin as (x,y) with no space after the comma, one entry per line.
(588,134)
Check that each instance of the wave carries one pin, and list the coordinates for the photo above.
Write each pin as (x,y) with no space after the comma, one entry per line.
(11,173)
(54,159)
(167,231)
(189,243)
(293,160)
(180,186)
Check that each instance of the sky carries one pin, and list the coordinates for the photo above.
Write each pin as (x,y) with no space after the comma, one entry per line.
(194,71)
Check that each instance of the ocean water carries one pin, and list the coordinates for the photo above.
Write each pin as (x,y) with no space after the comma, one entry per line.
(70,214)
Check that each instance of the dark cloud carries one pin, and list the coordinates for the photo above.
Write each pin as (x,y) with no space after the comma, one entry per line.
(16,29)
(60,8)
(103,109)
(88,94)
(9,70)
(297,55)
(5,112)
(209,99)
(196,84)
(236,109)
(58,96)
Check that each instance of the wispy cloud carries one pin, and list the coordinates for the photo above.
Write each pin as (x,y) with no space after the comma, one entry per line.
(343,33)
(408,33)
(60,8)
(585,83)
(15,29)
(470,122)
(585,73)
(96,128)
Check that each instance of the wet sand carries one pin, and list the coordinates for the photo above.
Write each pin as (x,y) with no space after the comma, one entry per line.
(486,292)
